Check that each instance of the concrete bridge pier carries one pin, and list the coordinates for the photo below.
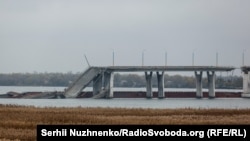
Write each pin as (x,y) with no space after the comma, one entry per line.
(160,78)
(109,84)
(246,84)
(198,77)
(211,84)
(149,92)
(103,85)
(97,84)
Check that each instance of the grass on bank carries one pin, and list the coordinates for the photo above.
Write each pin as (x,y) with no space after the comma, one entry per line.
(19,122)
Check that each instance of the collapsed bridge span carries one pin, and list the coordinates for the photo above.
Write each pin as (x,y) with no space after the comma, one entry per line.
(102,78)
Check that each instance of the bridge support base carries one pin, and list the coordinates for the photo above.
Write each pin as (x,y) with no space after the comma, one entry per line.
(211,84)
(103,85)
(160,78)
(198,77)
(97,84)
(246,84)
(109,84)
(149,93)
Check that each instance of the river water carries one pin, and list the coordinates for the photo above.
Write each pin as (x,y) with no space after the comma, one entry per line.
(225,103)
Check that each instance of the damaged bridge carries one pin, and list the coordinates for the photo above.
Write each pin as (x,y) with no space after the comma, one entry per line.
(102,78)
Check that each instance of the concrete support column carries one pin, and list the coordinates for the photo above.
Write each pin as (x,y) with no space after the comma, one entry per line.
(246,84)
(97,84)
(198,77)
(211,84)
(160,78)
(108,84)
(149,92)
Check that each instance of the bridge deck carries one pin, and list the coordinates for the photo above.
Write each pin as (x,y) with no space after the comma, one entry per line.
(166,68)
(245,69)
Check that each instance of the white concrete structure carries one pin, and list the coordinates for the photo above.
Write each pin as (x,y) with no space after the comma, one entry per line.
(102,78)
(246,81)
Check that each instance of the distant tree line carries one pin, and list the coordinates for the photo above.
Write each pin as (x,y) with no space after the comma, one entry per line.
(120,80)
(176,81)
(37,79)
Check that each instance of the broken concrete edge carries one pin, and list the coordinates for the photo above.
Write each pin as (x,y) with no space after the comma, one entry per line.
(33,95)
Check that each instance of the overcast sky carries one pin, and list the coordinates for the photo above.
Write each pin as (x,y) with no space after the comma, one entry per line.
(54,35)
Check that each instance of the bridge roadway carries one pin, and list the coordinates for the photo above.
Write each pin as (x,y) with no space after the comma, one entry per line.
(165,68)
(245,69)
(102,78)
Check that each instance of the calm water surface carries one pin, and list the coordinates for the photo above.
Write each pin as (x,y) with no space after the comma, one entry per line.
(226,103)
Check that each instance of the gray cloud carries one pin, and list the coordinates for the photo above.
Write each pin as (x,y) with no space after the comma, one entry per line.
(54,35)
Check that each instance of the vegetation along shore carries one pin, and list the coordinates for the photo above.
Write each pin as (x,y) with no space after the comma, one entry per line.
(18,123)
(120,80)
